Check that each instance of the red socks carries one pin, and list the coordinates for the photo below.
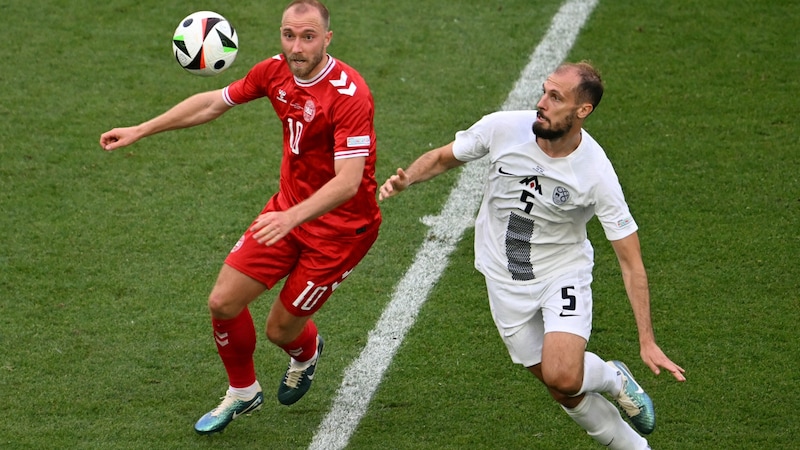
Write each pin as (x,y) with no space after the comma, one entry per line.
(305,346)
(236,343)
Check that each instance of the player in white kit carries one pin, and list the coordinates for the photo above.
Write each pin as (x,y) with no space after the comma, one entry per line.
(547,178)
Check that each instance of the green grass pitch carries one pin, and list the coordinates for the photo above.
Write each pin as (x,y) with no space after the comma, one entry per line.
(106,259)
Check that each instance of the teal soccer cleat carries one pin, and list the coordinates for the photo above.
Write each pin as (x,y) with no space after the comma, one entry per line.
(634,400)
(231,407)
(296,381)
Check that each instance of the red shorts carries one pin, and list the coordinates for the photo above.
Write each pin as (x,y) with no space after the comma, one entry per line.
(313,266)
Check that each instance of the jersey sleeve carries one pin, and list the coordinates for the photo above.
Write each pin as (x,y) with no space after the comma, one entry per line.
(354,132)
(611,209)
(474,142)
(252,86)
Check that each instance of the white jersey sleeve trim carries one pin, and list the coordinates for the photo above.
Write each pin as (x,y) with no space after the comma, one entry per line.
(227,98)
(355,153)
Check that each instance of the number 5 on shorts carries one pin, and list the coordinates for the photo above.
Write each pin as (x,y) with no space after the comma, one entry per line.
(568,309)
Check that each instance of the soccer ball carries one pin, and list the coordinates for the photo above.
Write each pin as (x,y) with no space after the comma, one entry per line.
(205,43)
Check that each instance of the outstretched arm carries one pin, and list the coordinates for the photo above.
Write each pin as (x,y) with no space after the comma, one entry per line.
(634,276)
(427,166)
(195,110)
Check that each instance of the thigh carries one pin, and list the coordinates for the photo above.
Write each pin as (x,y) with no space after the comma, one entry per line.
(267,264)
(232,292)
(567,317)
(321,268)
(561,368)
(516,310)
(567,304)
(562,361)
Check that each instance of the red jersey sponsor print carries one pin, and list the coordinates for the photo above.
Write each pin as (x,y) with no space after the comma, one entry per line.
(326,118)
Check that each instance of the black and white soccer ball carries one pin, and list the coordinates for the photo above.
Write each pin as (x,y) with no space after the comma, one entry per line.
(205,43)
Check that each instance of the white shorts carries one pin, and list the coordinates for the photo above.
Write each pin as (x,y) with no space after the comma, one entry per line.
(524,313)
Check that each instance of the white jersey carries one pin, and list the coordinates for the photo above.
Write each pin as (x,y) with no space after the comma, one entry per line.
(532,220)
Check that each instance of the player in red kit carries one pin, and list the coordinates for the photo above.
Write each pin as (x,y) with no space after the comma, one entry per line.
(314,230)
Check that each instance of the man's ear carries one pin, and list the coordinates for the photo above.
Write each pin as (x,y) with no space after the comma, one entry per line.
(584,110)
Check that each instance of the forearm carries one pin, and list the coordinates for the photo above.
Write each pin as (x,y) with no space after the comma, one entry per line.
(432,164)
(636,286)
(195,110)
(634,276)
(339,189)
(427,166)
(327,198)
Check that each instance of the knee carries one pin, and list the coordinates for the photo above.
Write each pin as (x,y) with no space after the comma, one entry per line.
(222,308)
(563,384)
(280,334)
(276,335)
(282,328)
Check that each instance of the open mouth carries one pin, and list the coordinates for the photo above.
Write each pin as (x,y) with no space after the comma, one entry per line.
(297,59)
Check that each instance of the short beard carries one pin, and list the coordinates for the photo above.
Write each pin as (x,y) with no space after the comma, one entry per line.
(305,73)
(552,133)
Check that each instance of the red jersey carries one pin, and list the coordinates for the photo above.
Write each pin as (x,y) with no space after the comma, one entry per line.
(326,118)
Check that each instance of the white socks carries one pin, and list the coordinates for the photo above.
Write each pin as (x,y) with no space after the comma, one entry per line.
(303,365)
(603,423)
(245,393)
(599,376)
(599,417)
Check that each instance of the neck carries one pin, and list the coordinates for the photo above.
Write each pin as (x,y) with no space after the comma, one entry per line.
(560,147)
(319,68)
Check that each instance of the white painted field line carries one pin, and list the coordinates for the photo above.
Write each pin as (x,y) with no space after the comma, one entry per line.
(362,377)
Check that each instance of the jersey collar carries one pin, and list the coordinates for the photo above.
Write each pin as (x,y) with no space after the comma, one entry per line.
(322,74)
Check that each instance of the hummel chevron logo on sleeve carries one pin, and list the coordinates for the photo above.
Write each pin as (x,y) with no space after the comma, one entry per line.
(342,81)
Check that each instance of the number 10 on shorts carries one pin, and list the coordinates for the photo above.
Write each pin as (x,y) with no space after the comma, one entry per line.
(310,296)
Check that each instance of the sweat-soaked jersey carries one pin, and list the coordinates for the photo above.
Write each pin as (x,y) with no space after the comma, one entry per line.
(326,118)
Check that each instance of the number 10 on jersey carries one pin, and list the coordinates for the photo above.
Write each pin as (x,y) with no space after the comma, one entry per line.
(295,130)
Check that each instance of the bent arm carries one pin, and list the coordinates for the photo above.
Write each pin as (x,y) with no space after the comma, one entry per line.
(427,166)
(272,226)
(195,110)
(339,189)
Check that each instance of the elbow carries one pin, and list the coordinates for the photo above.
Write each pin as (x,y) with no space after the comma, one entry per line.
(347,181)
(351,190)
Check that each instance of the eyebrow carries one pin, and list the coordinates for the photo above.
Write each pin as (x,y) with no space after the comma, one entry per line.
(304,30)
(555,89)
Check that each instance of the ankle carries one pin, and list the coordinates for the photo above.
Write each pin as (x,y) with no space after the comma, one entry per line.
(245,393)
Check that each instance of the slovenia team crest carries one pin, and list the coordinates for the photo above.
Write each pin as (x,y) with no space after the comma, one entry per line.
(560,195)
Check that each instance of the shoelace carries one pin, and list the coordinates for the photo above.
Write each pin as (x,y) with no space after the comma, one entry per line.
(626,402)
(293,377)
(227,402)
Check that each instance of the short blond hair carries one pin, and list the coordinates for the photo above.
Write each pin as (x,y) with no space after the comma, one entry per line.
(316,4)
